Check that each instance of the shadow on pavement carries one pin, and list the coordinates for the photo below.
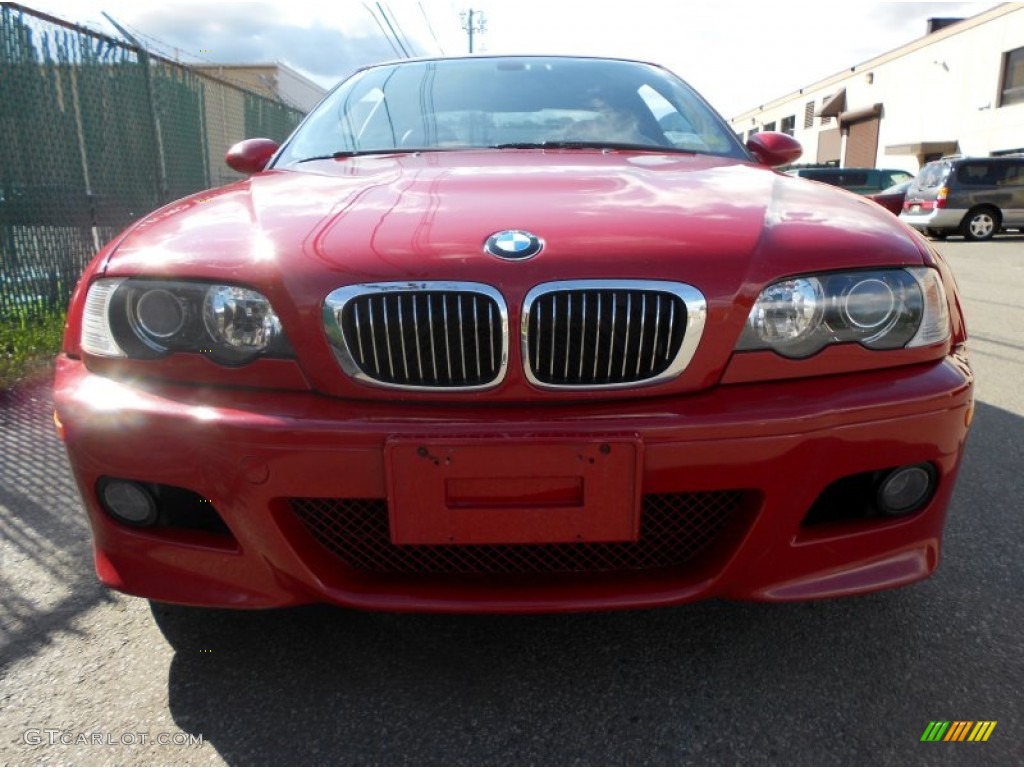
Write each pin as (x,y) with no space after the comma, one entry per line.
(837,682)
(44,536)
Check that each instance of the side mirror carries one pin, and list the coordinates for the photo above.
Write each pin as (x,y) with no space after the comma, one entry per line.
(774,149)
(251,155)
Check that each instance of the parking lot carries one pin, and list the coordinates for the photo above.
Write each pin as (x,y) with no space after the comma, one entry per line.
(91,677)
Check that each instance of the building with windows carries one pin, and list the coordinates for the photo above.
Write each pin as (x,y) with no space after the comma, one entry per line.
(957,90)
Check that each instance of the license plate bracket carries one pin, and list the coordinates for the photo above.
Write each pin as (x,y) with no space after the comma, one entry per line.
(513,490)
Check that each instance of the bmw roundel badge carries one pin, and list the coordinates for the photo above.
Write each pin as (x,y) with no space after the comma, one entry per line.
(513,244)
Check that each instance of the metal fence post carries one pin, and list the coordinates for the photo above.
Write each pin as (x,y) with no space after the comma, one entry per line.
(144,62)
(158,142)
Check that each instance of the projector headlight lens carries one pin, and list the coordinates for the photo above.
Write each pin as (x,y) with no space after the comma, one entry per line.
(879,309)
(148,319)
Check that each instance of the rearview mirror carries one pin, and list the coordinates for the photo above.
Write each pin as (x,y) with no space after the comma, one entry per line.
(251,155)
(774,149)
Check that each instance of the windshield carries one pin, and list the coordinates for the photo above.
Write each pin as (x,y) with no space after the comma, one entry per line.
(525,102)
(932,175)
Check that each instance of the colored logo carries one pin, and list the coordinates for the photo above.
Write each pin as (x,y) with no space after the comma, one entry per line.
(513,244)
(958,730)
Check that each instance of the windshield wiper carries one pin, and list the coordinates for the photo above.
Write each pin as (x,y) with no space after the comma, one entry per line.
(590,145)
(623,145)
(351,153)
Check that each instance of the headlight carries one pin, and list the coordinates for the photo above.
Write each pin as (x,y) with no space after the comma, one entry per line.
(879,309)
(153,318)
(788,312)
(240,318)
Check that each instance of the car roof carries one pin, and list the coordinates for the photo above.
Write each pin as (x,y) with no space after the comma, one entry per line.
(980,158)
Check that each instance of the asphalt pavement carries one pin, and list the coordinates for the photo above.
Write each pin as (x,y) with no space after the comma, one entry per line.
(92,677)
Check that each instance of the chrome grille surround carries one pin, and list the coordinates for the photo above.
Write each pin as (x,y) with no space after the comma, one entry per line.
(577,333)
(405,313)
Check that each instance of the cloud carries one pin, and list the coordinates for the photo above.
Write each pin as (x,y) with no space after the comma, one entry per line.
(260,32)
(910,18)
(869,30)
(737,53)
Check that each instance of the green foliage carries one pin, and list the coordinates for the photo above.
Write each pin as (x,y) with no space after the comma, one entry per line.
(28,345)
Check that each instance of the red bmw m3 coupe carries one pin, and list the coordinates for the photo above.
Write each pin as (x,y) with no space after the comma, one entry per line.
(514,334)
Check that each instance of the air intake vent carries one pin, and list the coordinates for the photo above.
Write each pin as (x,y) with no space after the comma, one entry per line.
(606,334)
(675,528)
(420,336)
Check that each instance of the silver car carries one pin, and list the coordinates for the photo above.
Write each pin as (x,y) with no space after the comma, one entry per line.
(976,197)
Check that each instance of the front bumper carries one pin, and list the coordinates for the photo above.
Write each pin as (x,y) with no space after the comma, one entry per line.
(251,452)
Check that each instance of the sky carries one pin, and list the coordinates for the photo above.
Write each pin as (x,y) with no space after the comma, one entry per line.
(738,55)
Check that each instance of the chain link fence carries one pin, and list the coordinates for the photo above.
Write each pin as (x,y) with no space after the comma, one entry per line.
(95,133)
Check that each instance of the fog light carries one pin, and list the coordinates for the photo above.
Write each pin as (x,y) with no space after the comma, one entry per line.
(128,502)
(906,489)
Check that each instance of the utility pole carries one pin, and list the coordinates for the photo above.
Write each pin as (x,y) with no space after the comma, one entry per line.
(473,22)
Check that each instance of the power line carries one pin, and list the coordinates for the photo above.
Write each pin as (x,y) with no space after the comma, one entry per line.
(395,34)
(386,10)
(384,32)
(431,28)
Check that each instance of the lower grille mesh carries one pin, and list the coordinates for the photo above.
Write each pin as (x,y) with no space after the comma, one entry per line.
(674,528)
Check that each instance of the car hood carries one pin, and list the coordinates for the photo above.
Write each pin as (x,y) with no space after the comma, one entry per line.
(726,227)
(426,216)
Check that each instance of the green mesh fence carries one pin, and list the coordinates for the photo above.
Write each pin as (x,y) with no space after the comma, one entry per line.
(269,118)
(93,135)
